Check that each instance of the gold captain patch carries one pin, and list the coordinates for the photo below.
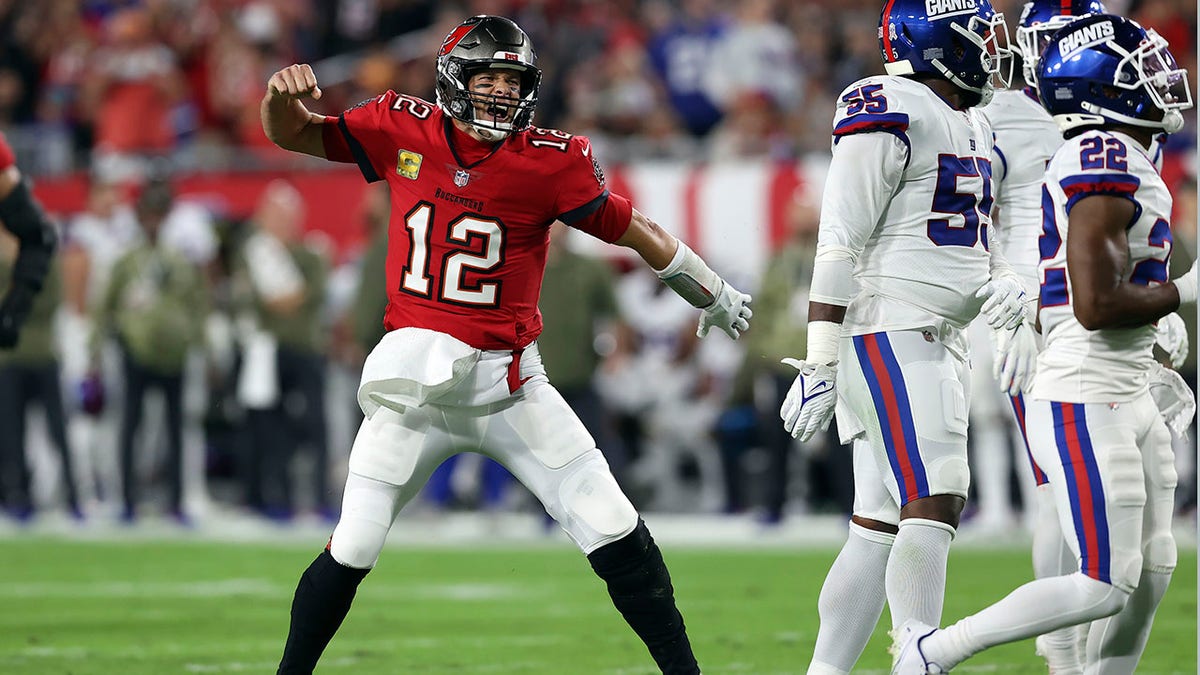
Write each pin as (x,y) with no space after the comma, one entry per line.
(408,164)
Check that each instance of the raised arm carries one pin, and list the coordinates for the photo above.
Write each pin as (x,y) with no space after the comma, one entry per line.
(285,120)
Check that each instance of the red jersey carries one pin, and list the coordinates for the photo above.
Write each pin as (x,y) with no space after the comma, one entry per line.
(470,221)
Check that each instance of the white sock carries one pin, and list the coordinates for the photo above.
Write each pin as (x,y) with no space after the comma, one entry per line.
(1052,557)
(1023,614)
(1117,642)
(851,601)
(916,571)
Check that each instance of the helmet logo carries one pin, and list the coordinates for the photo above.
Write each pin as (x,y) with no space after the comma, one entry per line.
(941,9)
(455,37)
(1086,36)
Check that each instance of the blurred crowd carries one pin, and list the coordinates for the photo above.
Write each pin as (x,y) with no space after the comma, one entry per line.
(182,358)
(679,79)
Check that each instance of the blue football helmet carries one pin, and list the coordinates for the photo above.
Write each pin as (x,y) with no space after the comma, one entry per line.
(1039,19)
(963,41)
(1104,69)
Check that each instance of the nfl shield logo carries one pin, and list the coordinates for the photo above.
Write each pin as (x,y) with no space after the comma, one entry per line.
(461,177)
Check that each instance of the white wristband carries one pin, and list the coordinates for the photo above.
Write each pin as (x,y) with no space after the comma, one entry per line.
(688,276)
(823,339)
(1186,285)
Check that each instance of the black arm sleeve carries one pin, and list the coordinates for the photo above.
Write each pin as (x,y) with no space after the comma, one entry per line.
(24,217)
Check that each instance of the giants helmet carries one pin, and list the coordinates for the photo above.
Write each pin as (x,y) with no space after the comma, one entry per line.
(1039,19)
(1104,69)
(963,41)
(480,43)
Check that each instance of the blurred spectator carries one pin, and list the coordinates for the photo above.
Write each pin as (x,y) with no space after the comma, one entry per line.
(756,54)
(370,299)
(680,50)
(93,242)
(751,129)
(762,383)
(282,380)
(155,305)
(29,374)
(665,390)
(578,298)
(134,76)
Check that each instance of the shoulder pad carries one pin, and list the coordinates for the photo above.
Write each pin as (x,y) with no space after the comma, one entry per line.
(880,103)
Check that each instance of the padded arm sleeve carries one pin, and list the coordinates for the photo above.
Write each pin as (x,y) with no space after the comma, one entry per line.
(864,174)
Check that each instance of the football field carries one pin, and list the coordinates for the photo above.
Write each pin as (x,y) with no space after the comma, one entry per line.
(153,606)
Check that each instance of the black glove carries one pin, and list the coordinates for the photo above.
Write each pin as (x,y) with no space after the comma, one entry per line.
(13,311)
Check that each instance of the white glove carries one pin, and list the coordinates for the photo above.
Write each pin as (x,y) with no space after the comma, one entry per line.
(1174,398)
(1004,304)
(810,402)
(1016,359)
(1172,337)
(730,312)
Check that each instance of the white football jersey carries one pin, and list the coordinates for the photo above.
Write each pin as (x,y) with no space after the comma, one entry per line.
(922,254)
(1102,366)
(1026,138)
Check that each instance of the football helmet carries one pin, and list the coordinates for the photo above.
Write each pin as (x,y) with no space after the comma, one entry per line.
(1039,19)
(1105,69)
(963,41)
(479,43)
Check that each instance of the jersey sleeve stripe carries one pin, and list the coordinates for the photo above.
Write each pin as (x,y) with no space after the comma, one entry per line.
(579,213)
(896,123)
(360,154)
(1003,159)
(1088,185)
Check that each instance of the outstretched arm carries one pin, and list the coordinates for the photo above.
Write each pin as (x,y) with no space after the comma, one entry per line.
(285,120)
(687,274)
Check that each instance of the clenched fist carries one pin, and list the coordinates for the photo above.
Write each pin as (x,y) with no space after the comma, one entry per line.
(295,81)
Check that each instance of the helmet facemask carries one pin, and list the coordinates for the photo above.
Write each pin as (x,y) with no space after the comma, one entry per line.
(990,38)
(1032,41)
(495,117)
(1149,69)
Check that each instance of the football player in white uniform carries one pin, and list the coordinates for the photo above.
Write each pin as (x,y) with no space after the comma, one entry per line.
(1093,422)
(1026,138)
(901,269)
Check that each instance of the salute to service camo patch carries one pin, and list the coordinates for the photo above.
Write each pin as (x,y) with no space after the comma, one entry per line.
(408,164)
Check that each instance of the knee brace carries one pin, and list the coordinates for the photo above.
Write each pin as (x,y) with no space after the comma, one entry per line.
(591,506)
(1159,553)
(368,510)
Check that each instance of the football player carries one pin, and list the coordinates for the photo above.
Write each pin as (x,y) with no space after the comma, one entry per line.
(474,189)
(1094,426)
(901,269)
(1026,138)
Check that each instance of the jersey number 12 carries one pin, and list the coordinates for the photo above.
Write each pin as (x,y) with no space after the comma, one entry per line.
(454,289)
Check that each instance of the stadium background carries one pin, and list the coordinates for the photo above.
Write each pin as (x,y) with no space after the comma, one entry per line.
(712,116)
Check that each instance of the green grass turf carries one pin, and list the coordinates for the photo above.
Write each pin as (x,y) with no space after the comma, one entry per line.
(159,607)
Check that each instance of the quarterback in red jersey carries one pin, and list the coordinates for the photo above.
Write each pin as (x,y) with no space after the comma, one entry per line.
(474,189)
